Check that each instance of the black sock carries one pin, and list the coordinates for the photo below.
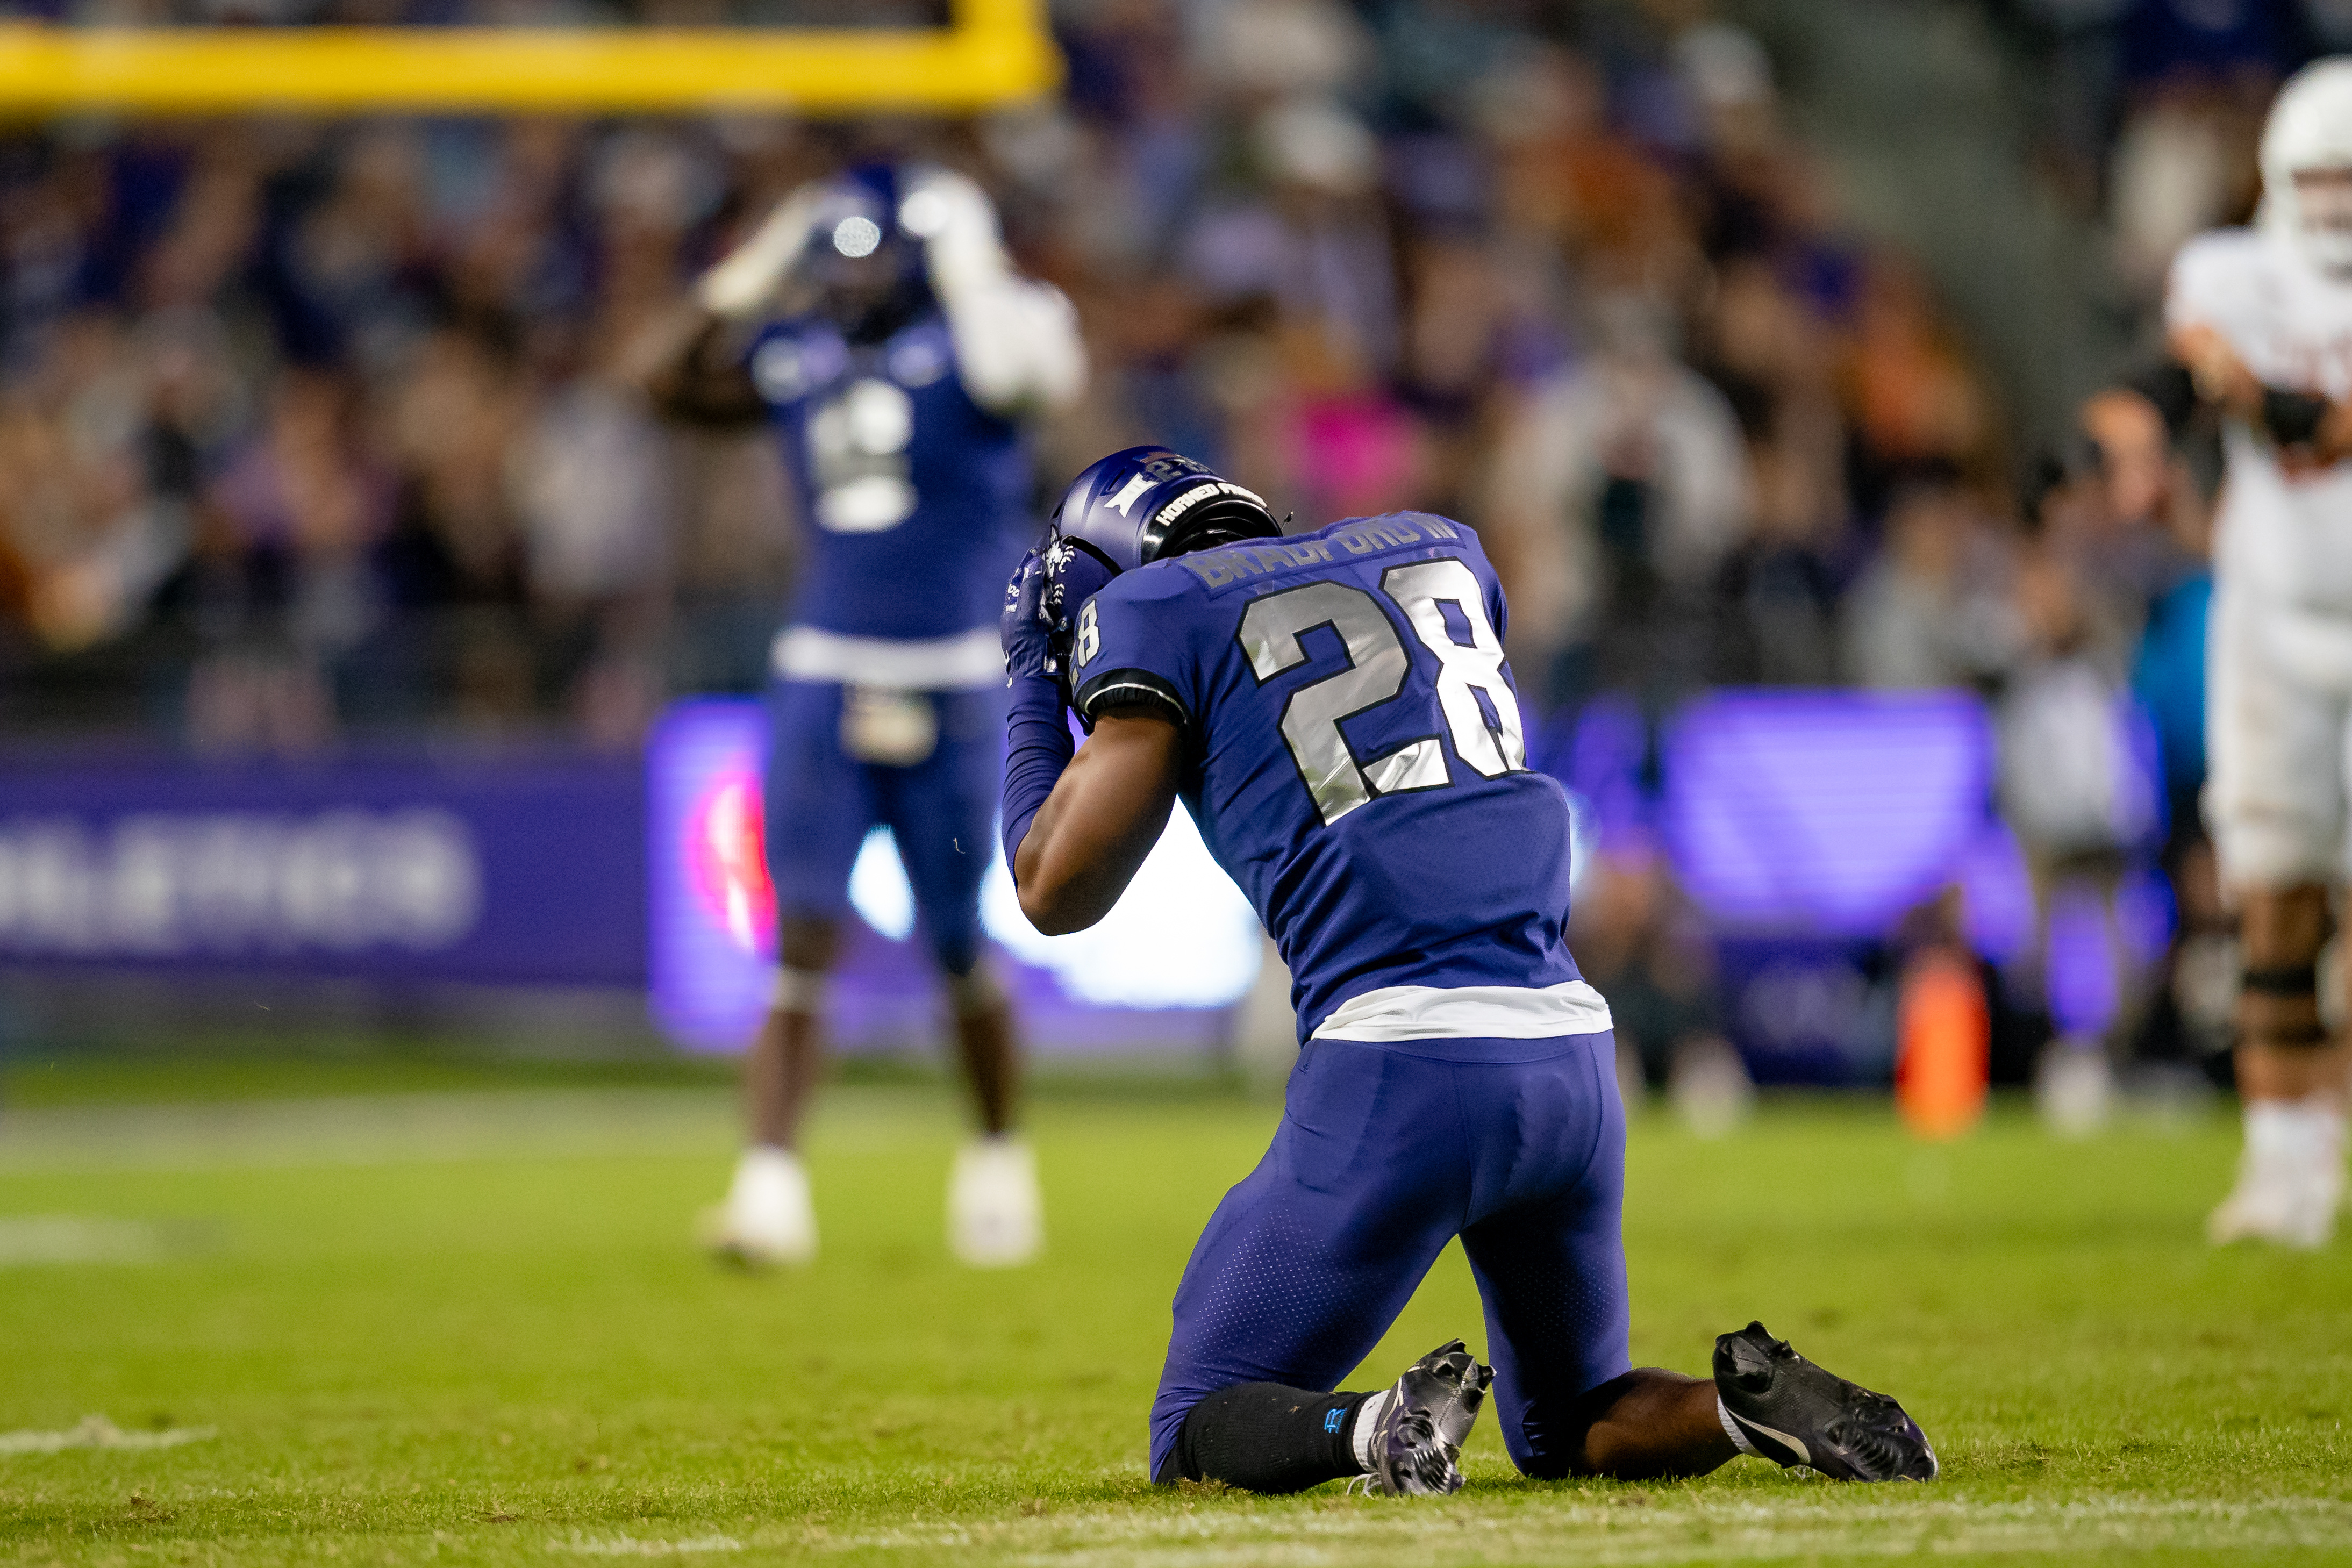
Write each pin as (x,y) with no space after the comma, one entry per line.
(1265,1437)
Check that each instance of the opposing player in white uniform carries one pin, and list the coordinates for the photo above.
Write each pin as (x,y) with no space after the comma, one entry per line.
(2263,318)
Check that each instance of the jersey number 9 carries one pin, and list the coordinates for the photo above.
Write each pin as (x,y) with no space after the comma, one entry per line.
(857,442)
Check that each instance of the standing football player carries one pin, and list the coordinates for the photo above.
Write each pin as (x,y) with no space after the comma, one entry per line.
(2263,318)
(1335,710)
(877,321)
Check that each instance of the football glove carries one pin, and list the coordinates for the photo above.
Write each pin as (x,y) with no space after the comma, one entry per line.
(2293,418)
(1040,609)
(1074,575)
(1023,629)
(963,248)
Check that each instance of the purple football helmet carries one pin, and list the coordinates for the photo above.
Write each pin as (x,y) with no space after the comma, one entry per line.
(867,270)
(1147,503)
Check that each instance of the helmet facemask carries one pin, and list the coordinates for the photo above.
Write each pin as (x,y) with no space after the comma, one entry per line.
(2323,218)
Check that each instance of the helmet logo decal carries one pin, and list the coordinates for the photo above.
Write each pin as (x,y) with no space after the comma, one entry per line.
(1135,486)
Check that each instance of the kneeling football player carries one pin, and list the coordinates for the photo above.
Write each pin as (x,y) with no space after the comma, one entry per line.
(1335,710)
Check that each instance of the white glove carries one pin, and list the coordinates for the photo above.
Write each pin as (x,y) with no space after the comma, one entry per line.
(1016,341)
(963,248)
(742,285)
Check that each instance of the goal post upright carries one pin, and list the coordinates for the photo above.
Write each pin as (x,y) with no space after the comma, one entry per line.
(992,52)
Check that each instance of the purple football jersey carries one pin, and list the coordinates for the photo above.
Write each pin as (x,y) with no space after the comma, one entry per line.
(1355,757)
(917,498)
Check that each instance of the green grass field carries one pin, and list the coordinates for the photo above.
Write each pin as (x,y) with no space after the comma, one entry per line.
(463,1324)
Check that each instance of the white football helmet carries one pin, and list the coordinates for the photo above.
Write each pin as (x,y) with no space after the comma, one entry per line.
(2310,132)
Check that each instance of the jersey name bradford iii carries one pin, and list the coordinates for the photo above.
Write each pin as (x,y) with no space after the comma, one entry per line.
(1356,761)
(916,495)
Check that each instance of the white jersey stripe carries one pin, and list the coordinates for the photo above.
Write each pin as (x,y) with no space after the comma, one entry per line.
(965,663)
(1467,1013)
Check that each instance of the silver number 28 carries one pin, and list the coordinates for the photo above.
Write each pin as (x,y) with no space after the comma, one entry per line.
(1336,778)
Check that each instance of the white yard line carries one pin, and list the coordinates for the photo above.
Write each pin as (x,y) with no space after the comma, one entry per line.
(1618,1535)
(366,1129)
(98,1432)
(30,1240)
(640,1546)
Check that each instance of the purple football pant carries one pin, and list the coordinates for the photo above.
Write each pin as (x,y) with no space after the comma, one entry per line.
(1385,1153)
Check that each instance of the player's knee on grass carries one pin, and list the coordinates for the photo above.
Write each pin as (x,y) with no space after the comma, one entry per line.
(1266,1438)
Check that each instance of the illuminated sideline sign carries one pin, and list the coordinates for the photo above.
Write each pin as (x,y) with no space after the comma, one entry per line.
(996,52)
(1181,948)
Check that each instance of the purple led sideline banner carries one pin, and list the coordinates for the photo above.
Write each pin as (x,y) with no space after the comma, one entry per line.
(497,872)
(1831,810)
(1805,824)
(1162,972)
(1832,813)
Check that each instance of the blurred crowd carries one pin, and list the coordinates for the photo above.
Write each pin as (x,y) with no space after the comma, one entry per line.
(310,430)
(2150,110)
(311,427)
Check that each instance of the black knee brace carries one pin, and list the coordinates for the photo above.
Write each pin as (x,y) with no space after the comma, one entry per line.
(2287,980)
(2287,983)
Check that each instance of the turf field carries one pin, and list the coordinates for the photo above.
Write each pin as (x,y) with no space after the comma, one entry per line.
(456,1319)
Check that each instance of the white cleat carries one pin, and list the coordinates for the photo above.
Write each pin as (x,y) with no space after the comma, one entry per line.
(995,1218)
(767,1220)
(1710,1088)
(2290,1203)
(2074,1088)
(2290,1179)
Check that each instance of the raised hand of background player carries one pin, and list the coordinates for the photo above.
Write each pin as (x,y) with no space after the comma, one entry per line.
(963,247)
(745,282)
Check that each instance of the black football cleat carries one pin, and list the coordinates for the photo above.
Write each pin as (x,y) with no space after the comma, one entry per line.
(1791,1412)
(1428,1417)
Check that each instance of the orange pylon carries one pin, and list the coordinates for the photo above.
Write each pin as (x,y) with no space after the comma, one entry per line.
(1943,1045)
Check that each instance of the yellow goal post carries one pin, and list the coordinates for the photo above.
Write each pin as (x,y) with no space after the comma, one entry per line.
(992,52)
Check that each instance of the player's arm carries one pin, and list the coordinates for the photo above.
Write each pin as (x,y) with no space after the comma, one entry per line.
(2309,430)
(1016,341)
(690,360)
(2220,377)
(1076,829)
(690,364)
(1106,812)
